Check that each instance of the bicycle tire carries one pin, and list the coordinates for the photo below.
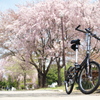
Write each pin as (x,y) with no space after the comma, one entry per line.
(69,81)
(68,88)
(88,85)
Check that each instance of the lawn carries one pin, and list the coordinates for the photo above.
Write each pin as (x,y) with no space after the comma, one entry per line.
(58,88)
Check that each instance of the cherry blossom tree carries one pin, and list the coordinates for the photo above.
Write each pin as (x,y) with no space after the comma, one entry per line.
(39,33)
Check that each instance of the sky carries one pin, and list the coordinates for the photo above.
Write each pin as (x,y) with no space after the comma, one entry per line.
(10,4)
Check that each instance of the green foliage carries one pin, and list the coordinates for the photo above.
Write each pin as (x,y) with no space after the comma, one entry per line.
(8,83)
(62,74)
(52,75)
(69,64)
(2,84)
(22,87)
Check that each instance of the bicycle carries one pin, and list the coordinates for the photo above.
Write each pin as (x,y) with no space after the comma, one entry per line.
(86,74)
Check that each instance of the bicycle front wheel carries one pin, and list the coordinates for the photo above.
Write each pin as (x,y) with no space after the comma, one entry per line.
(69,80)
(88,83)
(69,86)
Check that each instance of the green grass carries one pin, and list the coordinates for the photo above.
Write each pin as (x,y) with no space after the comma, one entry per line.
(58,88)
(53,88)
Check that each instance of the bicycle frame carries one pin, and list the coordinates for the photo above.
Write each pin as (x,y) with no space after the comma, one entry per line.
(86,61)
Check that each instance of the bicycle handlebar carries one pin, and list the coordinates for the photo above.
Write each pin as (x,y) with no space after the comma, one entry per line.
(87,31)
(77,28)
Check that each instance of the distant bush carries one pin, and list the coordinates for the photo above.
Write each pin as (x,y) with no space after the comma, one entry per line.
(52,75)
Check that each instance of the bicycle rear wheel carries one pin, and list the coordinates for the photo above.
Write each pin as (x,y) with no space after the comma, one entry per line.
(89,83)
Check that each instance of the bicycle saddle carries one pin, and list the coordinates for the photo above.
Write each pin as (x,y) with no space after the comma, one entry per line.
(77,42)
(74,43)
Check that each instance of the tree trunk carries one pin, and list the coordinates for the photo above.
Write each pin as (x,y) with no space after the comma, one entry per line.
(59,67)
(44,80)
(41,80)
(59,76)
(42,71)
(24,79)
(18,83)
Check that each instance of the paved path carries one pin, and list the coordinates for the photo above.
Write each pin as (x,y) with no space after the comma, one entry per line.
(46,95)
